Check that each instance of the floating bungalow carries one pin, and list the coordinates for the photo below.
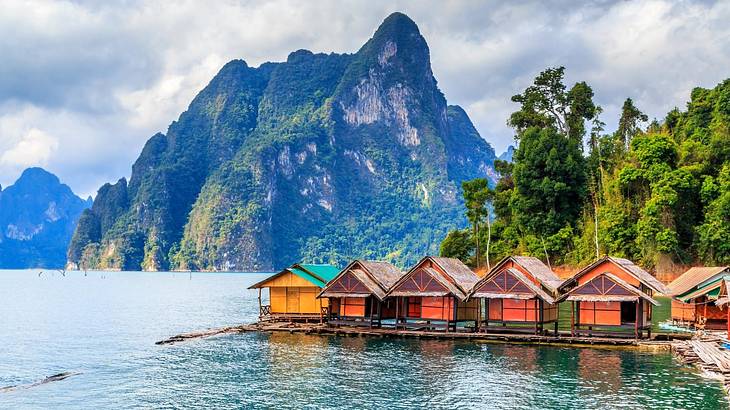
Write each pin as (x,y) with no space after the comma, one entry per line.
(723,300)
(611,295)
(693,296)
(433,295)
(357,294)
(293,292)
(519,292)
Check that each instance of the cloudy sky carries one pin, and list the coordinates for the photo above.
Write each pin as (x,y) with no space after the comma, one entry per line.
(84,84)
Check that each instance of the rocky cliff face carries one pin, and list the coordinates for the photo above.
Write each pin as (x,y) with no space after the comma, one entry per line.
(324,157)
(38,214)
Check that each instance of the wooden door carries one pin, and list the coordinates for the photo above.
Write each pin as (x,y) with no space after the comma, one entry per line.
(292,300)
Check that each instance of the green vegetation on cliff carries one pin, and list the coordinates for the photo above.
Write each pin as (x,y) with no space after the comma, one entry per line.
(321,158)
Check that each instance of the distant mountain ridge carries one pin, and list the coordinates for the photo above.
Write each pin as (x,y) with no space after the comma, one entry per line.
(38,215)
(321,158)
(507,154)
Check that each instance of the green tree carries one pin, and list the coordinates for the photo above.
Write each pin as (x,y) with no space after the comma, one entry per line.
(458,244)
(629,125)
(477,199)
(550,181)
(546,103)
(714,233)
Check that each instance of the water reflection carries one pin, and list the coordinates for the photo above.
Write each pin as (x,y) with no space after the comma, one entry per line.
(122,368)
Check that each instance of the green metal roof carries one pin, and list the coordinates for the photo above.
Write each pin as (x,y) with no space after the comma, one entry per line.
(711,290)
(320,273)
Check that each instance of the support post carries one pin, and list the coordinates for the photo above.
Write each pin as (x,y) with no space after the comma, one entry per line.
(572,318)
(478,324)
(456,311)
(443,299)
(380,315)
(636,323)
(397,303)
(259,303)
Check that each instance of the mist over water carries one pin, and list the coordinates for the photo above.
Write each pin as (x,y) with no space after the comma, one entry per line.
(104,326)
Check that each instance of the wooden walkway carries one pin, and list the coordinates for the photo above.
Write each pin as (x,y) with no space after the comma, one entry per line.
(563,339)
(708,354)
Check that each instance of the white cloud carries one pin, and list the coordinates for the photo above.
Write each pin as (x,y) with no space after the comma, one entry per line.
(100,78)
(35,147)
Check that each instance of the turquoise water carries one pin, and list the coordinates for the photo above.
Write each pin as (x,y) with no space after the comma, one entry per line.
(104,326)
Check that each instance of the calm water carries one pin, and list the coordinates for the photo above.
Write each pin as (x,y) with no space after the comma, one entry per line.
(105,326)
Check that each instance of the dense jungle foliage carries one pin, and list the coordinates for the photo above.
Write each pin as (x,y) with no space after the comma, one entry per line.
(657,193)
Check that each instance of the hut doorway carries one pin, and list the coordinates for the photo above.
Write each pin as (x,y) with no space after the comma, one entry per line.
(628,312)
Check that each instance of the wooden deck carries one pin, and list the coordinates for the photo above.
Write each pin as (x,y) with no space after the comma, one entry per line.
(706,353)
(660,342)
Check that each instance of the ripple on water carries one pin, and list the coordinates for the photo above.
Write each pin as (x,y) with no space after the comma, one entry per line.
(106,329)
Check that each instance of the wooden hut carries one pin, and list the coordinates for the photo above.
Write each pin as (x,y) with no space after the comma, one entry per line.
(612,295)
(723,301)
(293,292)
(356,295)
(519,293)
(693,295)
(433,295)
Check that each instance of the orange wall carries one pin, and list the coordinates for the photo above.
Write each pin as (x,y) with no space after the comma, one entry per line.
(610,267)
(495,309)
(296,300)
(711,312)
(516,310)
(600,313)
(683,311)
(352,307)
(437,307)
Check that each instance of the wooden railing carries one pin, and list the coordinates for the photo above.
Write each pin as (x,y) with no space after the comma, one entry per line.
(265,310)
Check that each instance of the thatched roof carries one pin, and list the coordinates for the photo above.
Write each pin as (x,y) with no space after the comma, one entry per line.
(536,268)
(384,273)
(457,278)
(462,276)
(629,267)
(693,278)
(378,277)
(536,290)
(638,294)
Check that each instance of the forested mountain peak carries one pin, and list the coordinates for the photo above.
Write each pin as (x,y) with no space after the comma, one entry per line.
(321,158)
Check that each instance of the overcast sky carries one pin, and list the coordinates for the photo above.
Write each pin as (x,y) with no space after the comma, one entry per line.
(83,85)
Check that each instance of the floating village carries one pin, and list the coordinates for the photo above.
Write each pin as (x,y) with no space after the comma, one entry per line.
(607,304)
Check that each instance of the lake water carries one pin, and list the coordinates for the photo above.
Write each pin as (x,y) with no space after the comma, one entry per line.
(104,326)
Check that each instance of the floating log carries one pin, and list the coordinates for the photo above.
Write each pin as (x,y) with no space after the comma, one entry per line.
(54,378)
(562,339)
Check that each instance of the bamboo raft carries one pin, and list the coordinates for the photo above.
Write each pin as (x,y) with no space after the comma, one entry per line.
(707,354)
(662,342)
